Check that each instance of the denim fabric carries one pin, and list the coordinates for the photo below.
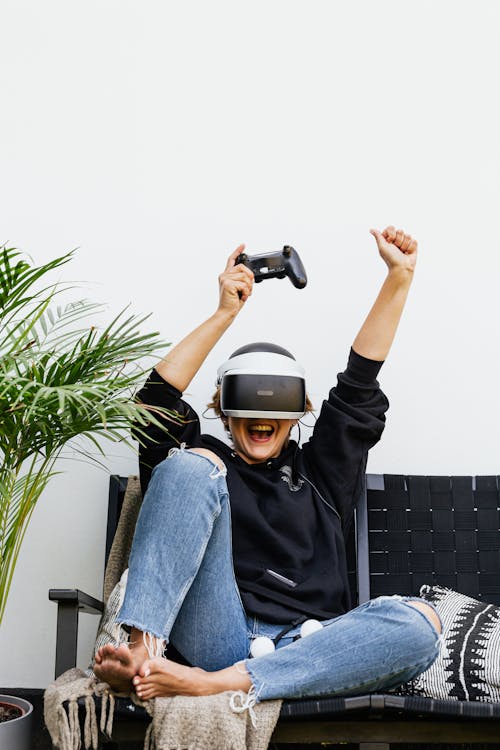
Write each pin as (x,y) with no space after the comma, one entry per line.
(374,647)
(181,585)
(181,588)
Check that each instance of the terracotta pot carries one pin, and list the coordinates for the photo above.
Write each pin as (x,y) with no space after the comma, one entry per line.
(16,733)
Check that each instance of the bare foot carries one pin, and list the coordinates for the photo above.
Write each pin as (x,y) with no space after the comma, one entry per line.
(162,678)
(117,665)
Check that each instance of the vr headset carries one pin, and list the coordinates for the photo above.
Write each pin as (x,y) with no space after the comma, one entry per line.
(262,380)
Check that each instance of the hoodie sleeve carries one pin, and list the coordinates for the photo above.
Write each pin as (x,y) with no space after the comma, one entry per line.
(351,421)
(183,427)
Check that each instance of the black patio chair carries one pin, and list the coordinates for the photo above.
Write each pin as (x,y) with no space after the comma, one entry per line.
(408,531)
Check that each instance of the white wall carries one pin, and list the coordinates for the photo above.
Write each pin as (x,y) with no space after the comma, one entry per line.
(156,136)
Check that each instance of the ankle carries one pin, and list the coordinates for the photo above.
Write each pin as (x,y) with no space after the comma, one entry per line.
(206,684)
(145,645)
(231,678)
(137,646)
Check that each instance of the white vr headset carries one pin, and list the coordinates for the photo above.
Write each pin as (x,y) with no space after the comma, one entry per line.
(267,383)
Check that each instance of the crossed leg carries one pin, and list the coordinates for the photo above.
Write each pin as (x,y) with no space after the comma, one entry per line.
(195,552)
(159,677)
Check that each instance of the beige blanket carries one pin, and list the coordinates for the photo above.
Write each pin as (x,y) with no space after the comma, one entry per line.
(226,721)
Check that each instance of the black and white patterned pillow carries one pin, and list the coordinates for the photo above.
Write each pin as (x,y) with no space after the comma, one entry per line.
(468,666)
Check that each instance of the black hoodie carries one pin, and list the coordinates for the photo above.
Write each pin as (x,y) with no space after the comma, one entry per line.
(290,514)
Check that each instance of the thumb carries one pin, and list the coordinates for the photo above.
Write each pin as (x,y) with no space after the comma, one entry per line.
(378,236)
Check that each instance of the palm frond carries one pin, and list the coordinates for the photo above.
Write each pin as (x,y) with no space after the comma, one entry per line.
(62,377)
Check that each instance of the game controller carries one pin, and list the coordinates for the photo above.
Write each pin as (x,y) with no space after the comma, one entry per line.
(276,265)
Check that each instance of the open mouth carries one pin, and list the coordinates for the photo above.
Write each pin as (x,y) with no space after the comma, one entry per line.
(260,433)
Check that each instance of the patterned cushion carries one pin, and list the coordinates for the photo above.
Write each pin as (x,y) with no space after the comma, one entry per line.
(468,667)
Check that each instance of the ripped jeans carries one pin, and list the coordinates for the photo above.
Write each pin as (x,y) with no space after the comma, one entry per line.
(182,589)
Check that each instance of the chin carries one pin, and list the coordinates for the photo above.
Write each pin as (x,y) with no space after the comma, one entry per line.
(260,453)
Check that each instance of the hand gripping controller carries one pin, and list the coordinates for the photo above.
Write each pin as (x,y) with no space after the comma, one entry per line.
(276,265)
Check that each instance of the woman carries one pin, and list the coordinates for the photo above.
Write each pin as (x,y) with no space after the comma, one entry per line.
(211,588)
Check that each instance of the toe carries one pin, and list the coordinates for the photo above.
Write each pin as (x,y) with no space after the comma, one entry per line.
(145,669)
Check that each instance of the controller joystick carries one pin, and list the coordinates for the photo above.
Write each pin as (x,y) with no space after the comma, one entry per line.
(276,265)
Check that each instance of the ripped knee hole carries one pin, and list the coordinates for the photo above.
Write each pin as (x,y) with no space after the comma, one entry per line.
(429,613)
(208,454)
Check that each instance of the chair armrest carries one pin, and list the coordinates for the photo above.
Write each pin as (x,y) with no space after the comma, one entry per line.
(70,602)
(75,597)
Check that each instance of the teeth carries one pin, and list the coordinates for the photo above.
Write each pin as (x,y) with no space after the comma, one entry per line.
(261,428)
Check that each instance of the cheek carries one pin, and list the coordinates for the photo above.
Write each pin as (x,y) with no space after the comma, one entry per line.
(283,436)
(237,433)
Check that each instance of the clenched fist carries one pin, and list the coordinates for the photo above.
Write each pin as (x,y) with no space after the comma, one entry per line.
(396,248)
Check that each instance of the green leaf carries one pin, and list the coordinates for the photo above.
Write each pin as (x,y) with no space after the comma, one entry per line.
(62,377)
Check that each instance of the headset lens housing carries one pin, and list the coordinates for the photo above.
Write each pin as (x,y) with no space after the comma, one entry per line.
(256,395)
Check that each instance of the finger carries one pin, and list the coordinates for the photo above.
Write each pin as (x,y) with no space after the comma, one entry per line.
(244,292)
(405,245)
(413,247)
(389,233)
(241,287)
(239,273)
(233,256)
(229,282)
(400,235)
(236,273)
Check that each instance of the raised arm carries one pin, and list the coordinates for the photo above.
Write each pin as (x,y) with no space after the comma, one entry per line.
(399,251)
(183,361)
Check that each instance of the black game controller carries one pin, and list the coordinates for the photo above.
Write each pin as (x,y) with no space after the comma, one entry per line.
(276,265)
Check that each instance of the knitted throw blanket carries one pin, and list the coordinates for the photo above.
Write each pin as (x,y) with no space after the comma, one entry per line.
(226,721)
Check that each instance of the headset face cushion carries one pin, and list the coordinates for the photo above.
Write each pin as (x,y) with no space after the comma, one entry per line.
(468,666)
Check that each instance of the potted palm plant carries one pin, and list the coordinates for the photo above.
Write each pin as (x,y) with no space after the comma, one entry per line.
(61,378)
